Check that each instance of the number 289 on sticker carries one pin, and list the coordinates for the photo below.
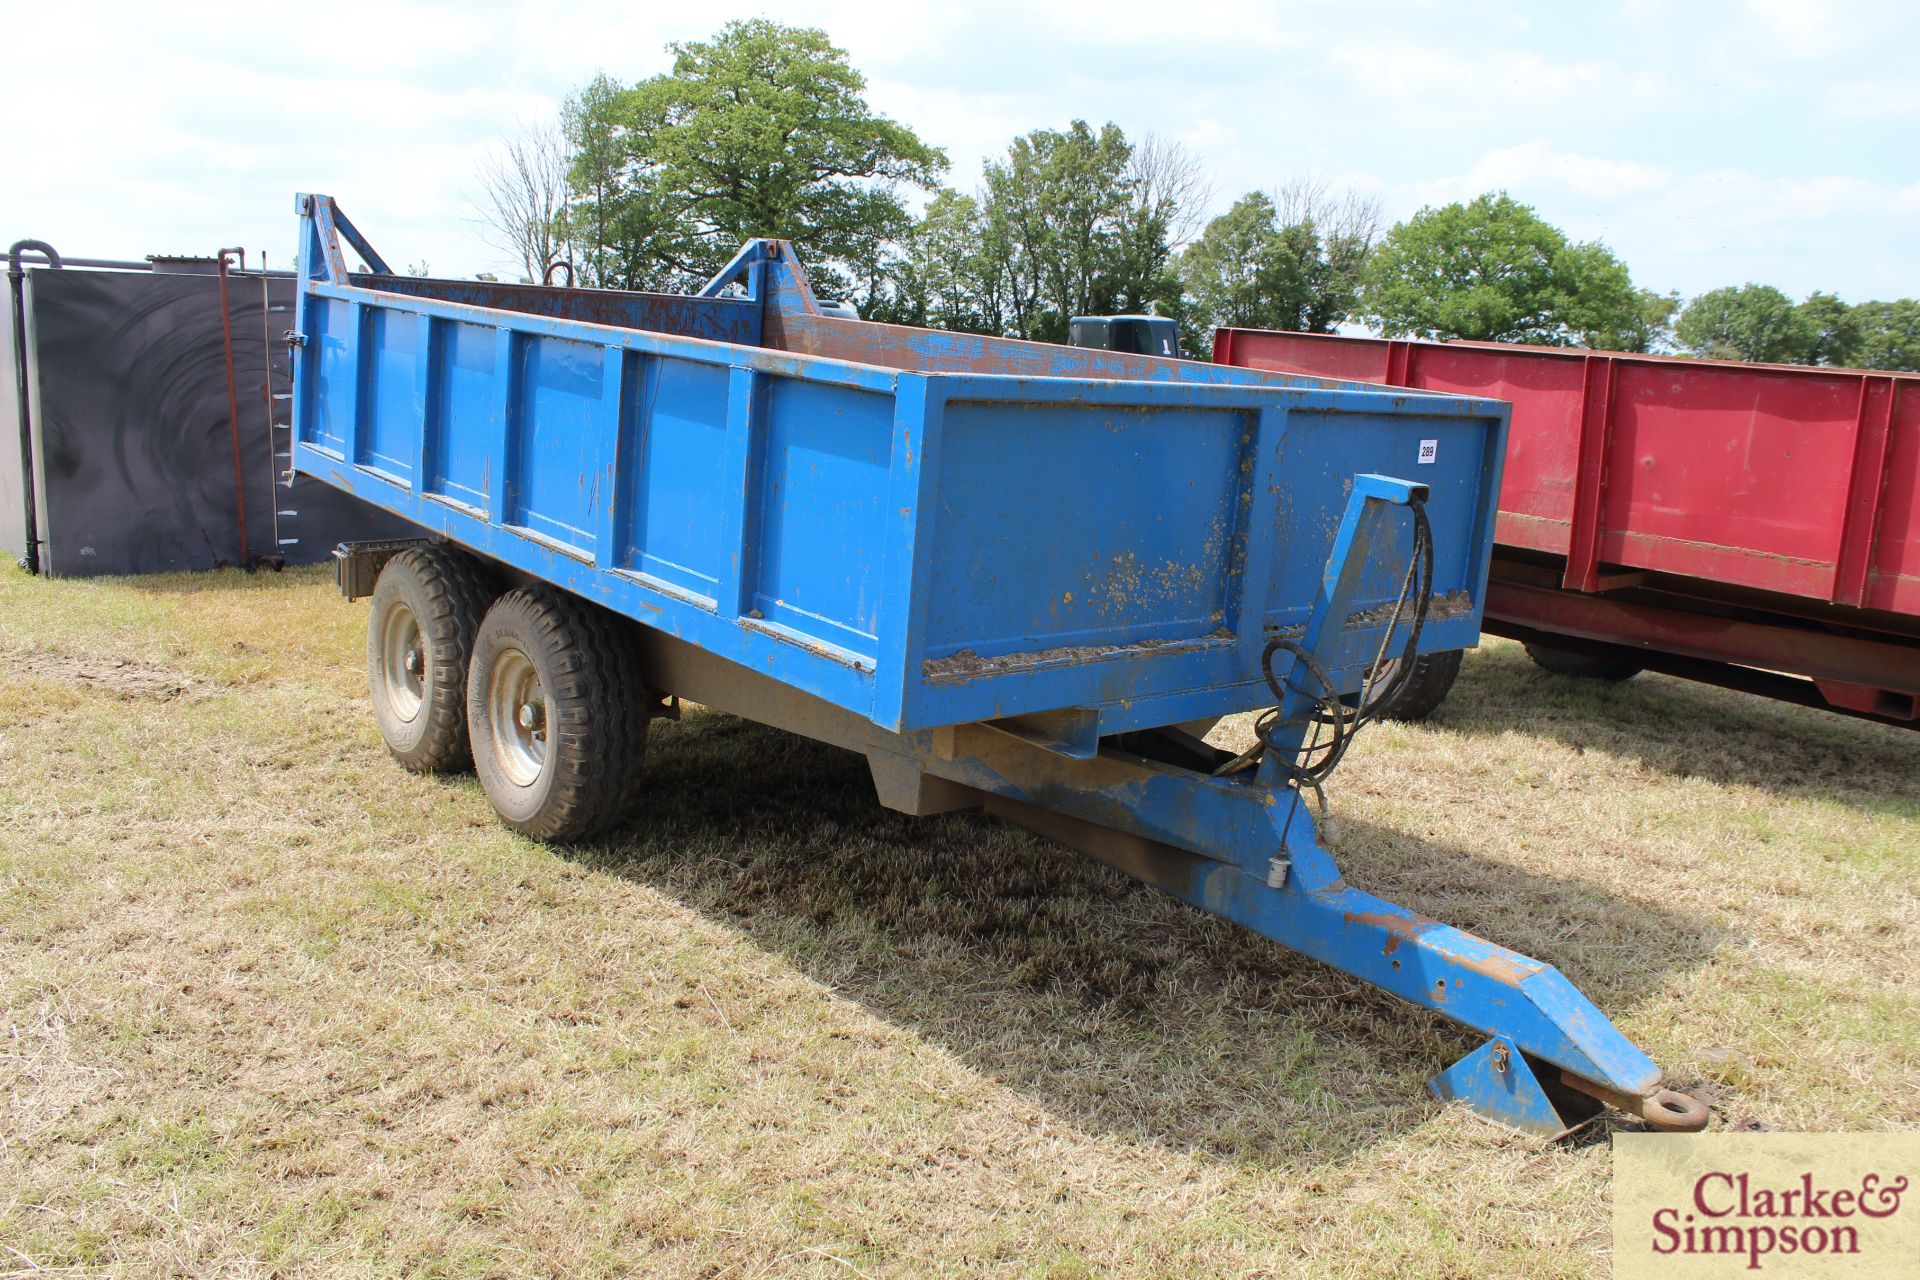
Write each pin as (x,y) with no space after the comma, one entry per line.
(1429,451)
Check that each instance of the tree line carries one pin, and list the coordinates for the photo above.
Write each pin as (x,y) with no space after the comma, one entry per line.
(763,130)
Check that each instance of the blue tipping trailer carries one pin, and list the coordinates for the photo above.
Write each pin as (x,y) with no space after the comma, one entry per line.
(1016,577)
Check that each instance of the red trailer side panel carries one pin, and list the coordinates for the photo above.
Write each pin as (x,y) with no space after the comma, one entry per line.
(1890,554)
(1799,481)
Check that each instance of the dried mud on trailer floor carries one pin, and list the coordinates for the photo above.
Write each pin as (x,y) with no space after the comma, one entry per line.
(273,1004)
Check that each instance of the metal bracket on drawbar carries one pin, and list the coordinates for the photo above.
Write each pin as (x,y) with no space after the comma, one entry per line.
(1499,1082)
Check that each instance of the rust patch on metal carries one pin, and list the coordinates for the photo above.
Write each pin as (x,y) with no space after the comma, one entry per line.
(927,351)
(726,319)
(966,664)
(1631,537)
(818,648)
(1505,968)
(1407,928)
(1454,604)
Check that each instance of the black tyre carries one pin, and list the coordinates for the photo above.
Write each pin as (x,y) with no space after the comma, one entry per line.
(557,714)
(1433,675)
(1563,663)
(426,607)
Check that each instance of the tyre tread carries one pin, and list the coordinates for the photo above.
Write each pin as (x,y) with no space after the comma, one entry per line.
(600,745)
(457,589)
(1433,676)
(1562,662)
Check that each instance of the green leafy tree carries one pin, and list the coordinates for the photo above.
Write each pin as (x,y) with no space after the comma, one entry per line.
(628,230)
(946,278)
(1080,222)
(1166,193)
(1333,235)
(1754,322)
(1834,328)
(1060,201)
(1652,328)
(1889,334)
(1493,270)
(1239,272)
(1291,263)
(760,131)
(595,175)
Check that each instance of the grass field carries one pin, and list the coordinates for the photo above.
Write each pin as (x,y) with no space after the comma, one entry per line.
(274,1007)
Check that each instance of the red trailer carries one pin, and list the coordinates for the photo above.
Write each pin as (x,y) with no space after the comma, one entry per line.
(1753,526)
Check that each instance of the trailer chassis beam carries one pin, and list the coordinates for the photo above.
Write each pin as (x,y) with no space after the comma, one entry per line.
(1245,846)
(1248,852)
(1254,856)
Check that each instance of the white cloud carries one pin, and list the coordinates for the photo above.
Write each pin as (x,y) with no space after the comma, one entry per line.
(1697,230)
(1803,29)
(1874,101)
(1498,86)
(1705,144)
(1535,165)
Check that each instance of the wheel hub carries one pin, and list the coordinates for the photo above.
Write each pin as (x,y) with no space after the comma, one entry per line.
(402,663)
(517,714)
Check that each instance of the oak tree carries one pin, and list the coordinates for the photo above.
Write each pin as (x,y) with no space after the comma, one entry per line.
(1494,270)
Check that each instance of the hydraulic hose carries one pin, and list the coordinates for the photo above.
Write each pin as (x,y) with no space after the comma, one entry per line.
(1310,766)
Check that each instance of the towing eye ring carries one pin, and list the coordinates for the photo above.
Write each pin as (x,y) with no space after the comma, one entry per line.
(1667,1110)
(1673,1111)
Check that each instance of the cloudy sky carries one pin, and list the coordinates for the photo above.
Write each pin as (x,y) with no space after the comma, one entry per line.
(1706,143)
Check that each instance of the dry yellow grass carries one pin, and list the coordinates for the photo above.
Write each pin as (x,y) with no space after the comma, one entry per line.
(273,1007)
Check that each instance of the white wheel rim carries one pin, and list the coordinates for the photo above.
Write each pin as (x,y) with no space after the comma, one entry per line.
(517,716)
(403,663)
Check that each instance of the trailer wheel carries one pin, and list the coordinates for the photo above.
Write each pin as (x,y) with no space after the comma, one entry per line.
(426,607)
(1563,663)
(556,711)
(1433,677)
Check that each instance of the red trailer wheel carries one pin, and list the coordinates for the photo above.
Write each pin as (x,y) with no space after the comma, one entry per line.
(1563,663)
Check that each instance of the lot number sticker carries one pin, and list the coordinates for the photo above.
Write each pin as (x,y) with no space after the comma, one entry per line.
(1429,451)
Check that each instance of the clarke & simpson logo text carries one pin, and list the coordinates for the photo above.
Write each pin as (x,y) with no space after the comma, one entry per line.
(1784,1204)
(1727,1214)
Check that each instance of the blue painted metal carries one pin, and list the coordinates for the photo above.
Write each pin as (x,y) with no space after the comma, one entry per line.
(1365,540)
(351,234)
(1497,1079)
(716,319)
(1252,853)
(746,273)
(879,537)
(913,534)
